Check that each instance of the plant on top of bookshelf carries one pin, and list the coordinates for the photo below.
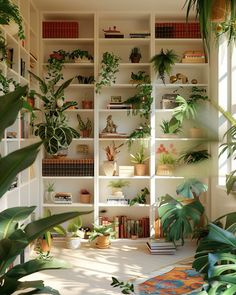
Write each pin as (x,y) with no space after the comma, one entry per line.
(141,197)
(179,220)
(143,131)
(109,69)
(191,188)
(163,63)
(141,101)
(54,131)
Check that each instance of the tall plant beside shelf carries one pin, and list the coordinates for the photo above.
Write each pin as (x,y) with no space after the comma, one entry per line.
(15,237)
(109,69)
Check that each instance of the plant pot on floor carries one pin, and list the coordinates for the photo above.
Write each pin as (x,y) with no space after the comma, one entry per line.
(140,169)
(103,242)
(73,242)
(110,168)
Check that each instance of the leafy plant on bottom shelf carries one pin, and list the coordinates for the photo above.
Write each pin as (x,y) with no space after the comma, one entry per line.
(141,197)
(178,219)
(109,69)
(15,235)
(163,63)
(194,157)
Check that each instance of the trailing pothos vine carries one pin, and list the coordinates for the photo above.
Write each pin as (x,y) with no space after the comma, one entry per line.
(107,75)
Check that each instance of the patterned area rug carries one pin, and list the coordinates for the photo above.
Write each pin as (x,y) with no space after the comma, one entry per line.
(173,280)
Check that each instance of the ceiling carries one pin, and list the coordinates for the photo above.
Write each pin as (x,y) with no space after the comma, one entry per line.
(168,7)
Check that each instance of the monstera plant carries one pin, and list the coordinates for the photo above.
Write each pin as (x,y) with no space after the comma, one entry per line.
(14,237)
(54,131)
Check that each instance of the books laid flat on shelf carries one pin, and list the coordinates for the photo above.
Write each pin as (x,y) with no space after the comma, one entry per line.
(117,201)
(139,35)
(160,247)
(193,57)
(114,105)
(62,198)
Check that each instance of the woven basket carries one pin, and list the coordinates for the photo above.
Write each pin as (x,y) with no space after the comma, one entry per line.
(165,169)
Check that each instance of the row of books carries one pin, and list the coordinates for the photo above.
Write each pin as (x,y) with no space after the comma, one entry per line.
(160,247)
(60,29)
(177,30)
(126,227)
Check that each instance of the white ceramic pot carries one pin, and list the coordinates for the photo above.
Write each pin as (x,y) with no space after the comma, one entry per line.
(73,242)
(109,168)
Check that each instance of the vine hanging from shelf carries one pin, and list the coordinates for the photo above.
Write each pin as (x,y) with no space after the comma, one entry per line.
(107,75)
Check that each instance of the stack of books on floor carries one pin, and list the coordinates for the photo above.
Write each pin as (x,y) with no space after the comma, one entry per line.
(161,247)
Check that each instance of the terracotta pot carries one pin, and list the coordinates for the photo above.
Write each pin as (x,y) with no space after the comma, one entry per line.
(87,104)
(44,245)
(165,169)
(85,133)
(135,59)
(219,10)
(140,169)
(109,168)
(85,198)
(102,242)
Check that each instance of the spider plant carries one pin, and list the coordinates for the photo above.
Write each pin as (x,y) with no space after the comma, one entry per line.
(163,62)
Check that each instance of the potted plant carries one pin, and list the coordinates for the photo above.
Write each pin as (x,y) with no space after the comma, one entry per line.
(141,77)
(87,104)
(163,63)
(81,56)
(31,98)
(102,235)
(167,160)
(135,55)
(49,192)
(73,238)
(143,131)
(85,196)
(84,128)
(194,156)
(54,131)
(110,166)
(141,197)
(170,130)
(217,16)
(109,69)
(179,220)
(139,160)
(117,185)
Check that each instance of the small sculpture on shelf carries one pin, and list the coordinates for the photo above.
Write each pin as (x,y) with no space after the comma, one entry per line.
(110,127)
(177,77)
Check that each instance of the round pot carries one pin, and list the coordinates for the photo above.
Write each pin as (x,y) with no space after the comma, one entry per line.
(140,169)
(165,169)
(109,168)
(85,133)
(85,198)
(135,59)
(116,191)
(73,242)
(87,104)
(102,242)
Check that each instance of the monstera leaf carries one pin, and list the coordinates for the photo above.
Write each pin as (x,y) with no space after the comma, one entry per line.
(191,188)
(178,220)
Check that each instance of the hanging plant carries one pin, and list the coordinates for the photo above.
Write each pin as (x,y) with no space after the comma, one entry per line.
(163,62)
(107,75)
